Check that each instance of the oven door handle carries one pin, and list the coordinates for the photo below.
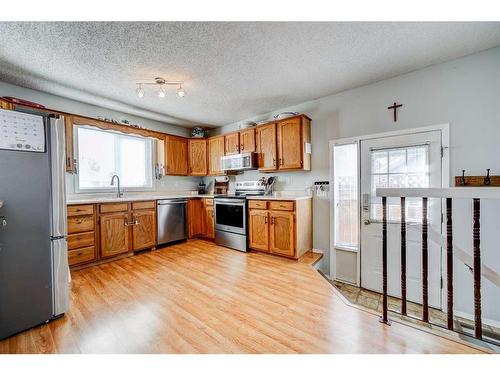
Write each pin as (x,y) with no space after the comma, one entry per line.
(234,202)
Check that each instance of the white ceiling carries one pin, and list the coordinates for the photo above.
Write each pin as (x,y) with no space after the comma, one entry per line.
(232,71)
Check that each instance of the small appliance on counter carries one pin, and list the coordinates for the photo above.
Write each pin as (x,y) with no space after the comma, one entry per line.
(202,188)
(221,186)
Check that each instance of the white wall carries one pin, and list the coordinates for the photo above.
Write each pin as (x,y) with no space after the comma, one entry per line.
(464,93)
(167,183)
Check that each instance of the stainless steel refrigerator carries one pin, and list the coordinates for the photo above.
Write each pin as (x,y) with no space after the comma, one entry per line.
(34,272)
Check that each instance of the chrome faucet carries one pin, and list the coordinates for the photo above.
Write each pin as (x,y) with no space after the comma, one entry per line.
(119,193)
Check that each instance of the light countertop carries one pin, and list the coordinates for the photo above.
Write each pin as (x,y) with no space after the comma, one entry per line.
(132,198)
(282,196)
(88,198)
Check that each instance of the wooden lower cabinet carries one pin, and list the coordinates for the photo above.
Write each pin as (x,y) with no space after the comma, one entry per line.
(201,221)
(259,229)
(82,229)
(114,234)
(107,230)
(209,219)
(282,233)
(281,227)
(196,218)
(143,229)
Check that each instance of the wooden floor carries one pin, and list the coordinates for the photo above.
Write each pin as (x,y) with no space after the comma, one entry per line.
(197,297)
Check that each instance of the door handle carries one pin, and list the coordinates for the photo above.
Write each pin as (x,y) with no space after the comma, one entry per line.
(367,222)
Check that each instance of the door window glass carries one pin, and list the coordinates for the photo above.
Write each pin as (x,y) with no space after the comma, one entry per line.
(402,167)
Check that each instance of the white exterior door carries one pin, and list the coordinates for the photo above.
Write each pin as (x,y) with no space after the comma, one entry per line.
(410,160)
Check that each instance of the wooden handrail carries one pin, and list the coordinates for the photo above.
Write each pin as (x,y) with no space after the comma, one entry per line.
(455,192)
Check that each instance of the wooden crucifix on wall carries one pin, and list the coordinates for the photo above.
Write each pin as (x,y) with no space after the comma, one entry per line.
(395,107)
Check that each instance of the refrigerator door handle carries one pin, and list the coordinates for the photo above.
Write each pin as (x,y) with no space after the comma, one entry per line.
(58,166)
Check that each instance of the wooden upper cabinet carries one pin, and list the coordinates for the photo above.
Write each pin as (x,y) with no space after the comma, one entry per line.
(176,155)
(5,105)
(197,157)
(247,140)
(282,233)
(259,229)
(266,147)
(232,143)
(215,152)
(114,230)
(290,144)
(143,229)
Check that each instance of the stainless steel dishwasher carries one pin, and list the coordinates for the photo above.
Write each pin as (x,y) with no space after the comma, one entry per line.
(171,220)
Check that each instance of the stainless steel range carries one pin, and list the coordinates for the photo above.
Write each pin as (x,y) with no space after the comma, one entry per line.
(231,213)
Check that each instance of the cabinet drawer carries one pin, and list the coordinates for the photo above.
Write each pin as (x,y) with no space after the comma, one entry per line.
(85,209)
(262,205)
(85,254)
(282,206)
(78,240)
(143,205)
(77,224)
(113,207)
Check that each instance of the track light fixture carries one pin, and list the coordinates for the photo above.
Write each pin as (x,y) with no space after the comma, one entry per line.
(161,82)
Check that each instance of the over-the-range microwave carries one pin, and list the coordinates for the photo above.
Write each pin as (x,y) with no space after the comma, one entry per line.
(239,162)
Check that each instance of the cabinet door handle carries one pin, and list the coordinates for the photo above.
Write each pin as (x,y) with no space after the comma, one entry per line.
(272,219)
(265,219)
(274,162)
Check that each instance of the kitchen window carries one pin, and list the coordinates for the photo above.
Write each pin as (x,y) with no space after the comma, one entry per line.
(101,154)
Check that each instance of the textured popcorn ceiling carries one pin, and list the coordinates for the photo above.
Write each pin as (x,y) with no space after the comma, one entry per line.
(232,71)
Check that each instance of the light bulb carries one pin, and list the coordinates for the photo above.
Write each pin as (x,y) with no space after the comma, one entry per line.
(181,92)
(162,92)
(140,92)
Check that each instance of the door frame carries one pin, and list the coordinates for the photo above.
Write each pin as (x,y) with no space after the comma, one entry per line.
(445,182)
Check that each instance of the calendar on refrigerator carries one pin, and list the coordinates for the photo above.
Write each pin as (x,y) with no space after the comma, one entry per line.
(21,131)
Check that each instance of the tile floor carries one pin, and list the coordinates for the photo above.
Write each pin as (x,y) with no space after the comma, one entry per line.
(373,301)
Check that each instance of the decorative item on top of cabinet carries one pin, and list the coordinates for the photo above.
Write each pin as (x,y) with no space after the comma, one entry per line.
(215,152)
(281,227)
(176,155)
(232,143)
(197,157)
